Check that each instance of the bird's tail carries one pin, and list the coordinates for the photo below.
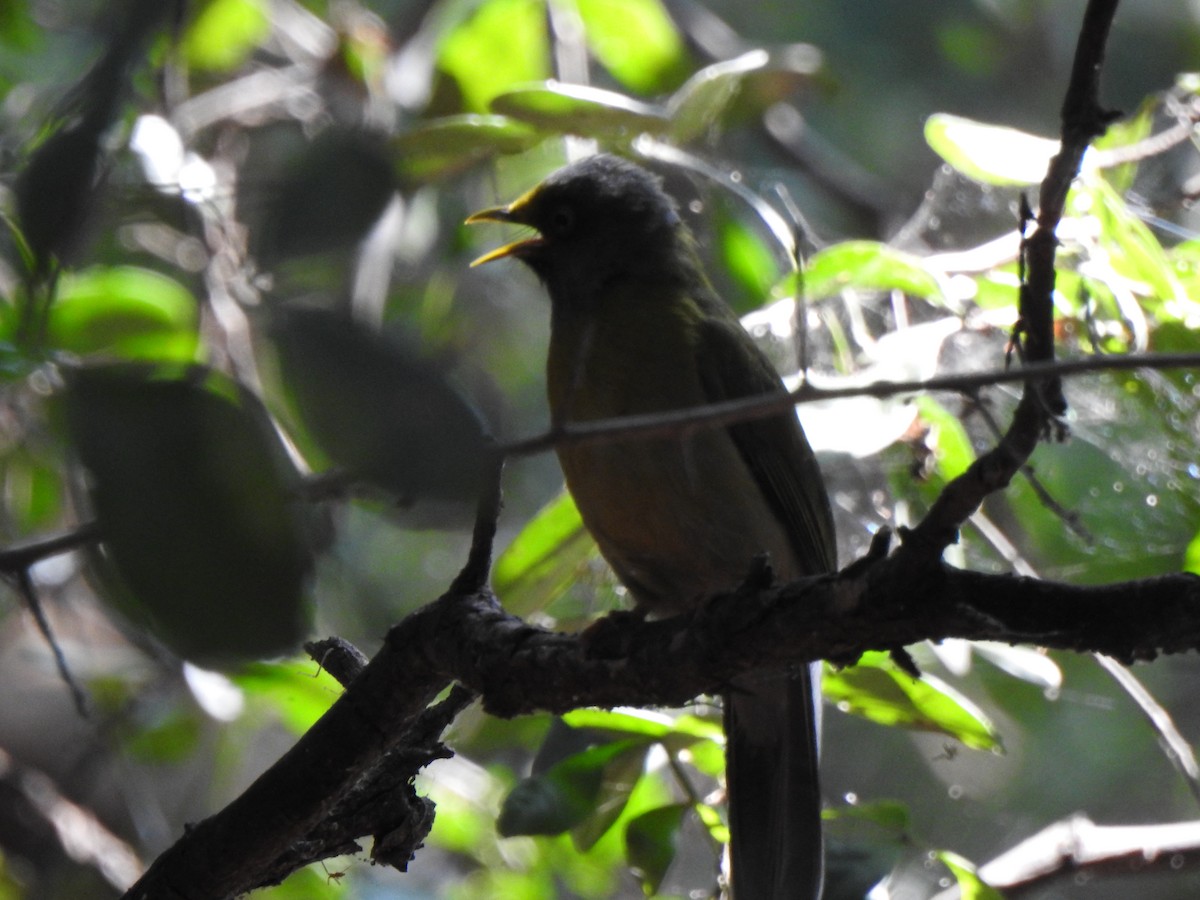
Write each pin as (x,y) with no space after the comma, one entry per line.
(771,728)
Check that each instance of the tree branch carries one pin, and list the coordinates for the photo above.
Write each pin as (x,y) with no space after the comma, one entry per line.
(517,668)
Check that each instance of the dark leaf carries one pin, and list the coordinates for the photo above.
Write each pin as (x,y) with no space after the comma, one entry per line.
(202,541)
(381,412)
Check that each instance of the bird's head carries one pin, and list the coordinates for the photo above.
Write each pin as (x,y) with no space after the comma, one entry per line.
(598,219)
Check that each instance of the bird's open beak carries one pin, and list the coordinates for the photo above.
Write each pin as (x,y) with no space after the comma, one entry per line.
(514,213)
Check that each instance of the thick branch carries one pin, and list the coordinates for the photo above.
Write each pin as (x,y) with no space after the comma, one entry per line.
(518,668)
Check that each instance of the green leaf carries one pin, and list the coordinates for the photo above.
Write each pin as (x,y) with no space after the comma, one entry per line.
(124,311)
(202,540)
(544,558)
(951,444)
(384,414)
(1133,251)
(224,34)
(636,41)
(171,739)
(503,44)
(567,793)
(651,840)
(746,84)
(33,490)
(991,154)
(748,259)
(1124,133)
(296,690)
(446,146)
(970,886)
(579,109)
(875,689)
(621,776)
(889,815)
(867,265)
(711,819)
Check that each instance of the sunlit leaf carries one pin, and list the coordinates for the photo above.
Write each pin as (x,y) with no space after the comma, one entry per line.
(867,265)
(749,82)
(203,541)
(877,690)
(952,448)
(544,558)
(580,109)
(296,690)
(224,34)
(1124,132)
(748,259)
(448,145)
(711,819)
(970,886)
(991,154)
(651,840)
(636,41)
(502,44)
(1133,250)
(124,311)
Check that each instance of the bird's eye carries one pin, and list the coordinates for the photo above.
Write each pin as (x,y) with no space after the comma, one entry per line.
(562,220)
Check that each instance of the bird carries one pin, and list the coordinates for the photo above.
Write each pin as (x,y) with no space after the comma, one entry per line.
(636,327)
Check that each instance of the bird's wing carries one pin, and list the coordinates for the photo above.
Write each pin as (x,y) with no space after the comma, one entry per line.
(774,449)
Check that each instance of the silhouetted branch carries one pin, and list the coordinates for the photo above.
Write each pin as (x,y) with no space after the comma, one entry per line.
(517,668)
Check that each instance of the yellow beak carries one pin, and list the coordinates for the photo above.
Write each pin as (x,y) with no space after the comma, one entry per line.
(513,213)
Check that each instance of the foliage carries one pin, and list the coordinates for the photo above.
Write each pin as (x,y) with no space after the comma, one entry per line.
(238,330)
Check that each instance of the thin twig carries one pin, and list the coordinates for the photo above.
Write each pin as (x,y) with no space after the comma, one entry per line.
(671,422)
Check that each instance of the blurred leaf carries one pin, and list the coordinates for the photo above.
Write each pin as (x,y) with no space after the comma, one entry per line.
(969,884)
(329,196)
(1123,133)
(867,265)
(875,689)
(295,689)
(566,794)
(749,261)
(172,739)
(621,775)
(636,41)
(224,34)
(890,815)
(711,819)
(1133,250)
(991,154)
(746,84)
(448,145)
(579,109)
(544,558)
(33,490)
(202,541)
(1026,663)
(384,414)
(504,43)
(54,192)
(651,840)
(951,445)
(309,883)
(124,311)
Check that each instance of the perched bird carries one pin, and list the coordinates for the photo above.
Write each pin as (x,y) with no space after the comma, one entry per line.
(637,328)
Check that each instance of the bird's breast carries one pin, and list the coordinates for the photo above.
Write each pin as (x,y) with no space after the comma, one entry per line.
(680,517)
